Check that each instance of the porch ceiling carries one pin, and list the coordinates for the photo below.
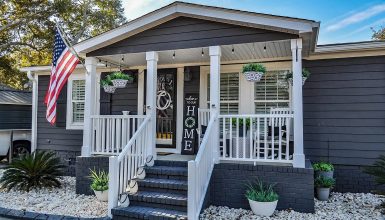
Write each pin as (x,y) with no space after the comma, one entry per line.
(247,52)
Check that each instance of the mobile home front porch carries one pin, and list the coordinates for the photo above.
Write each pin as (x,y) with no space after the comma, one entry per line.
(132,140)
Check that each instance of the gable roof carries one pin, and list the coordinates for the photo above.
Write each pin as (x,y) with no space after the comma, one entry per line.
(302,27)
(12,96)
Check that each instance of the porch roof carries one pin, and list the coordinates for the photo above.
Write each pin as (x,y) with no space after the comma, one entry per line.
(307,29)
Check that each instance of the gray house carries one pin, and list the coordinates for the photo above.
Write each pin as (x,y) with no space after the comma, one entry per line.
(174,140)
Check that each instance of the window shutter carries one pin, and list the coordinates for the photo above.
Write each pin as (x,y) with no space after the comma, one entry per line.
(229,92)
(61,108)
(105,98)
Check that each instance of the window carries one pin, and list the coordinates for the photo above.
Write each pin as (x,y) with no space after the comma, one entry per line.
(269,94)
(229,97)
(75,103)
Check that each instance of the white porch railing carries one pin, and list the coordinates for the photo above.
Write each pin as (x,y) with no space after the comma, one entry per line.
(125,167)
(112,132)
(259,137)
(199,172)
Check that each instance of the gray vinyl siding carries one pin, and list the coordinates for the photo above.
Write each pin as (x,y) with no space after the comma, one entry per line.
(193,85)
(15,116)
(52,137)
(184,32)
(344,110)
(126,99)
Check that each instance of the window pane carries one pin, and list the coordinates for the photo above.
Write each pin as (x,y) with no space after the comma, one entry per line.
(268,93)
(78,90)
(78,95)
(229,92)
(78,112)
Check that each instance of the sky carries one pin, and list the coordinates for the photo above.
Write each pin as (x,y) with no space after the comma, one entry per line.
(341,20)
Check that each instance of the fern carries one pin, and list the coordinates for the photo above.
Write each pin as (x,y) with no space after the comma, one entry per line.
(33,171)
(378,170)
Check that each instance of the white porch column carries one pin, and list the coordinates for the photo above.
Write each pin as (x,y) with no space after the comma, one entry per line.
(298,157)
(152,72)
(89,104)
(215,71)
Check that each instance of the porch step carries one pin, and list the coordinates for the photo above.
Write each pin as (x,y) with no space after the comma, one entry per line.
(142,212)
(170,184)
(167,172)
(162,194)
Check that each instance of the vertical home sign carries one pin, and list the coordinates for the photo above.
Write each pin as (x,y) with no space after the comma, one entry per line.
(190,124)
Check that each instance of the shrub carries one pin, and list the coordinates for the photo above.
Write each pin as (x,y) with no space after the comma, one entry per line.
(240,122)
(99,180)
(305,73)
(107,81)
(261,192)
(257,67)
(324,182)
(120,75)
(377,170)
(33,171)
(323,166)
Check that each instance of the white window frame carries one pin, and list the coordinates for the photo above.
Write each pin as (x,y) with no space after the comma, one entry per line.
(70,125)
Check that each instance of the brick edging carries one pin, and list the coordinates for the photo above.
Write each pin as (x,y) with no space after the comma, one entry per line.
(20,214)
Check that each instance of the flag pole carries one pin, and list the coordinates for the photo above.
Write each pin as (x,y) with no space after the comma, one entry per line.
(68,44)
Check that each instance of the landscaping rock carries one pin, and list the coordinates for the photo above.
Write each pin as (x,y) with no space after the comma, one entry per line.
(339,206)
(57,201)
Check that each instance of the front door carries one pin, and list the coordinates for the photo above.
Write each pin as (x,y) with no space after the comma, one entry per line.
(166,109)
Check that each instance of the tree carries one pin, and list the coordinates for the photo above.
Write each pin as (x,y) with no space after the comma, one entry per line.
(378,34)
(27,29)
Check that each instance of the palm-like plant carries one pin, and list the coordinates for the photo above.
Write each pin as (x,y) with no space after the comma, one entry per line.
(33,171)
(378,170)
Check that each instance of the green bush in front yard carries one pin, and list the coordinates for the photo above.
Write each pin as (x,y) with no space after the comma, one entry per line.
(33,171)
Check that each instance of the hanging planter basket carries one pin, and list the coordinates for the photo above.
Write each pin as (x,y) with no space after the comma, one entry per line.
(253,71)
(109,89)
(119,83)
(252,76)
(290,81)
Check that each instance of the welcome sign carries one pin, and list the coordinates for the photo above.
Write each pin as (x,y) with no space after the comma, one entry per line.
(190,124)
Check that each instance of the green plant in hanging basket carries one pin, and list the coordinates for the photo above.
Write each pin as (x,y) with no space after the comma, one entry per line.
(106,82)
(253,71)
(254,67)
(305,74)
(120,75)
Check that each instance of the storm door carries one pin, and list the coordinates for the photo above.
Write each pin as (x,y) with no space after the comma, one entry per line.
(166,109)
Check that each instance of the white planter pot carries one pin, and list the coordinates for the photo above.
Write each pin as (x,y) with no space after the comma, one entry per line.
(109,89)
(323,194)
(253,76)
(303,81)
(263,208)
(119,83)
(102,195)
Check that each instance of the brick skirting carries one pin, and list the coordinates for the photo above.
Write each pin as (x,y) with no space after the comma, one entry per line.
(83,166)
(295,186)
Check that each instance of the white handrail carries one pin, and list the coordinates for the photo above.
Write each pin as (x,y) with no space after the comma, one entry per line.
(125,167)
(111,133)
(199,172)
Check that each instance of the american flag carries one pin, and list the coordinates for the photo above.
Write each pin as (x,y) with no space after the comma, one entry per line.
(63,64)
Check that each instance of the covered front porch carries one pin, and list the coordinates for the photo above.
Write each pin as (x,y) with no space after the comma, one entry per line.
(248,112)
(192,99)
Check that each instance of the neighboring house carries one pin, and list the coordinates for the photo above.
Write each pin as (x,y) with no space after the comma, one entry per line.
(15,121)
(184,56)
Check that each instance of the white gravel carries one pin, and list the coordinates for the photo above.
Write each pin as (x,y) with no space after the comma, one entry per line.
(341,206)
(60,201)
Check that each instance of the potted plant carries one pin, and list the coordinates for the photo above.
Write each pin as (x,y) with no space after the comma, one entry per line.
(241,125)
(262,198)
(324,169)
(323,186)
(120,80)
(253,71)
(107,85)
(305,74)
(99,184)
